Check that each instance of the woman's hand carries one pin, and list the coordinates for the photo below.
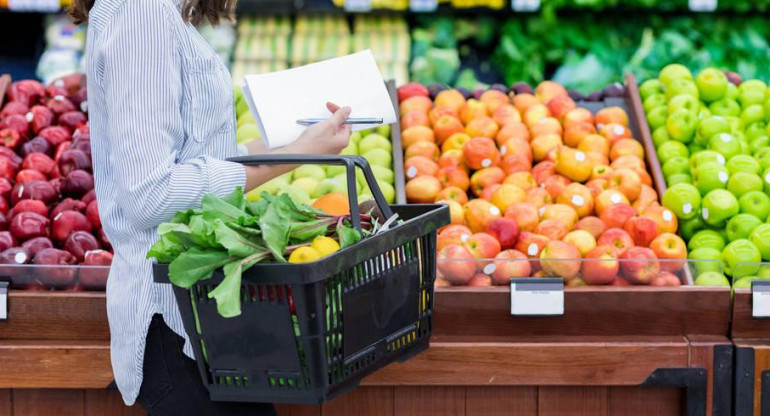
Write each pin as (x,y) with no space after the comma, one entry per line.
(328,137)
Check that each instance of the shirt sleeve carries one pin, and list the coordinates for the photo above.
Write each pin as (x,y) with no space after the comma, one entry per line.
(143,88)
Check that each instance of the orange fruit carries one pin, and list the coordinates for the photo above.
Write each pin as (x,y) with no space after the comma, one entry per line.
(334,203)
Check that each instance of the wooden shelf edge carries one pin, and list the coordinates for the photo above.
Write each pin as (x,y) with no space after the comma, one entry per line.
(48,364)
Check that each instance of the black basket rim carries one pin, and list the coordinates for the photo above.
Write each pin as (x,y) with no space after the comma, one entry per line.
(432,219)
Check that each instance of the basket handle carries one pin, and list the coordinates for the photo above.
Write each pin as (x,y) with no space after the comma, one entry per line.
(350,163)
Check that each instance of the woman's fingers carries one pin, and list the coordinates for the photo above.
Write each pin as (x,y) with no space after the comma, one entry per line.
(339,116)
(332,107)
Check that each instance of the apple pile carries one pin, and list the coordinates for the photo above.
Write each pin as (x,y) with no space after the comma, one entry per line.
(48,210)
(711,136)
(535,184)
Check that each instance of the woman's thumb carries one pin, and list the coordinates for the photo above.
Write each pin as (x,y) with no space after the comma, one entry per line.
(341,115)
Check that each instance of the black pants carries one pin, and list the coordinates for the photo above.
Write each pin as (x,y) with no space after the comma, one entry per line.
(172,385)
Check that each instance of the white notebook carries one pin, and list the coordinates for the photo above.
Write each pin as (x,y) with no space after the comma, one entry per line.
(278,99)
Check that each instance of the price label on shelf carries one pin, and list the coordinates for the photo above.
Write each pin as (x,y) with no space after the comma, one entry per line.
(525,5)
(423,6)
(537,297)
(43,6)
(3,301)
(760,297)
(358,6)
(702,5)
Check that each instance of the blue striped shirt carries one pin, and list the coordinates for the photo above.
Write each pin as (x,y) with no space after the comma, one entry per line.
(162,119)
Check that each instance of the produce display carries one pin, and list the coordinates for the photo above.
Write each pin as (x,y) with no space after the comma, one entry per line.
(535,184)
(711,136)
(48,210)
(64,49)
(235,234)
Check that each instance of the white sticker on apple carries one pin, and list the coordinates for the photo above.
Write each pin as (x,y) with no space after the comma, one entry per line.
(464,238)
(486,163)
(578,200)
(725,137)
(29,116)
(411,172)
(20,258)
(532,249)
(616,198)
(720,159)
(494,211)
(599,127)
(723,177)
(502,150)
(58,98)
(668,216)
(687,208)
(580,156)
(705,213)
(489,268)
(541,211)
(619,130)
(767,177)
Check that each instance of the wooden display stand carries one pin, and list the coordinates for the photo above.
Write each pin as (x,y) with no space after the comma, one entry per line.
(752,358)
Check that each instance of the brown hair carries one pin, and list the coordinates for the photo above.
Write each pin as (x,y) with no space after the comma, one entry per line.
(193,11)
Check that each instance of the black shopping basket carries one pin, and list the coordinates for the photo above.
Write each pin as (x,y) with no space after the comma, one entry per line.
(310,332)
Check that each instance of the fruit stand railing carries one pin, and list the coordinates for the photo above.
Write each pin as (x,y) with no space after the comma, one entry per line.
(751,336)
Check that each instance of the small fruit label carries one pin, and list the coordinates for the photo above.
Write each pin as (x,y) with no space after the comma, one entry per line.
(723,177)
(720,159)
(616,198)
(84,106)
(618,130)
(494,211)
(702,5)
(687,208)
(541,211)
(525,5)
(532,250)
(725,137)
(489,268)
(502,150)
(486,163)
(422,6)
(705,213)
(411,172)
(58,98)
(21,191)
(464,238)
(20,258)
(29,116)
(668,216)
(577,200)
(767,177)
(358,5)
(580,157)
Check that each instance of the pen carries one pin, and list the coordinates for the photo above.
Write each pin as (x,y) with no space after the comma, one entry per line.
(310,121)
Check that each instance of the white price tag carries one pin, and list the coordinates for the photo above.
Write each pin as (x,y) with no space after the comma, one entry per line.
(525,5)
(702,5)
(537,297)
(423,6)
(760,297)
(358,6)
(3,301)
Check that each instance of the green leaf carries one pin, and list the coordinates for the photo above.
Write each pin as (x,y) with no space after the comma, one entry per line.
(236,243)
(195,265)
(275,230)
(166,249)
(180,232)
(348,235)
(183,217)
(202,231)
(228,293)
(304,232)
(236,198)
(221,209)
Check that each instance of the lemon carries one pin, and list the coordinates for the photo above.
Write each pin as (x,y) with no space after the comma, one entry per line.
(325,245)
(304,255)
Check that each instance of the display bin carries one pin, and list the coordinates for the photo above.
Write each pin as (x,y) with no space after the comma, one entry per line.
(751,335)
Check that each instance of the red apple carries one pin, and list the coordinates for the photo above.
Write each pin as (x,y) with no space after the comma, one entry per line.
(641,229)
(639,265)
(666,279)
(480,279)
(482,246)
(671,249)
(615,216)
(616,238)
(453,234)
(456,264)
(601,266)
(508,264)
(560,259)
(505,230)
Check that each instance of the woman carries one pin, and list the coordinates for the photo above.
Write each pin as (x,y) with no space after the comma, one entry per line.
(162,122)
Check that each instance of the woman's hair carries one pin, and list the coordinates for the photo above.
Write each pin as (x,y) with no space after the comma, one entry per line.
(193,11)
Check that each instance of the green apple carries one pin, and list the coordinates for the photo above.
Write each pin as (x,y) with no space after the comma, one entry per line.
(703,112)
(681,86)
(683,102)
(682,199)
(741,226)
(711,279)
(678,178)
(650,87)
(688,228)
(681,125)
(237,93)
(355,137)
(756,203)
(333,170)
(330,185)
(272,187)
(657,117)
(308,184)
(297,194)
(383,174)
(744,282)
(379,157)
(247,132)
(704,157)
(671,72)
(766,181)
(745,147)
(759,143)
(732,91)
(660,136)
(387,191)
(742,183)
(383,130)
(654,101)
(752,92)
(726,144)
(760,237)
(351,149)
(766,105)
(735,124)
(245,118)
(695,147)
(718,206)
(712,126)
(316,172)
(712,84)
(672,149)
(676,165)
(754,113)
(241,107)
(743,163)
(706,259)
(754,130)
(710,176)
(725,107)
(374,141)
(343,179)
(706,239)
(764,271)
(741,258)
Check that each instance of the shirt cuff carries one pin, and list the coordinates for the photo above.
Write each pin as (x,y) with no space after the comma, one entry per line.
(243,150)
(225,176)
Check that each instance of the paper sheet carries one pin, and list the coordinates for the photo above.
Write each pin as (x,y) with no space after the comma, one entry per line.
(278,99)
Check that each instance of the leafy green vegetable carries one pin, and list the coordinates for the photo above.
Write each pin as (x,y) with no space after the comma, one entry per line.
(196,264)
